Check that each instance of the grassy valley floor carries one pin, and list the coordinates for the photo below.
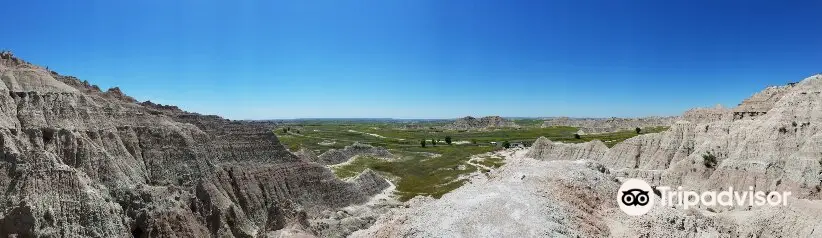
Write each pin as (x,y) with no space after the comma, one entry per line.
(432,170)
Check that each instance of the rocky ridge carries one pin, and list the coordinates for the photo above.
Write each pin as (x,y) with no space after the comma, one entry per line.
(81,162)
(472,123)
(769,142)
(606,125)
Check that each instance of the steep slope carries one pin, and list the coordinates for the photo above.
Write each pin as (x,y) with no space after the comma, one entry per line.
(81,162)
(771,142)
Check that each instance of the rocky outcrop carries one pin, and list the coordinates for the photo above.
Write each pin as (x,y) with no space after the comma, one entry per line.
(306,155)
(336,156)
(774,146)
(77,161)
(606,125)
(707,115)
(760,103)
(369,182)
(471,123)
(546,149)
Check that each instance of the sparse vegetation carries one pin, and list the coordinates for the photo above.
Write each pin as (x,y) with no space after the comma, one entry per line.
(491,162)
(709,160)
(415,172)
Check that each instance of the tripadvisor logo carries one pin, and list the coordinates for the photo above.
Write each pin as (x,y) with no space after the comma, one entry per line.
(635,197)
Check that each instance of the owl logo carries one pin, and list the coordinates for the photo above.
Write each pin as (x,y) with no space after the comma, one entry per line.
(635,197)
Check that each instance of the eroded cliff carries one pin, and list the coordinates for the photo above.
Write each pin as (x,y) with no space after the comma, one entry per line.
(770,141)
(78,161)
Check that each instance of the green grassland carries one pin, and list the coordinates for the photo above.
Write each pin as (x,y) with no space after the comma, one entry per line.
(415,172)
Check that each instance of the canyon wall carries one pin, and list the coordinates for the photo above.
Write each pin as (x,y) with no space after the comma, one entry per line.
(77,161)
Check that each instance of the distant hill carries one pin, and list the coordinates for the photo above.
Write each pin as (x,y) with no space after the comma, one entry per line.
(472,123)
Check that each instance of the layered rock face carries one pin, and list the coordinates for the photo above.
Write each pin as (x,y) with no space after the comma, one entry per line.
(770,142)
(760,103)
(336,156)
(706,115)
(773,145)
(606,125)
(548,150)
(81,162)
(471,123)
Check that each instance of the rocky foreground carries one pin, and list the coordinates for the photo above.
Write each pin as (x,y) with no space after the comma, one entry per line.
(80,162)
(771,141)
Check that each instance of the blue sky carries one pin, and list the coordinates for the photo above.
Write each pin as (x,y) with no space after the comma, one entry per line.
(424,58)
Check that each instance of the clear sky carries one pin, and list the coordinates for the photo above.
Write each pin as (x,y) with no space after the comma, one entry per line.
(423,58)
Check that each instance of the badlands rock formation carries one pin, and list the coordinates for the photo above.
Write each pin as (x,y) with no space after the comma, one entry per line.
(605,125)
(336,156)
(769,141)
(471,123)
(568,190)
(80,162)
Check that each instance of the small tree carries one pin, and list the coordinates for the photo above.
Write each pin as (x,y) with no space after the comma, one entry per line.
(576,136)
(422,143)
(638,130)
(448,140)
(285,129)
(506,144)
(474,141)
(433,142)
